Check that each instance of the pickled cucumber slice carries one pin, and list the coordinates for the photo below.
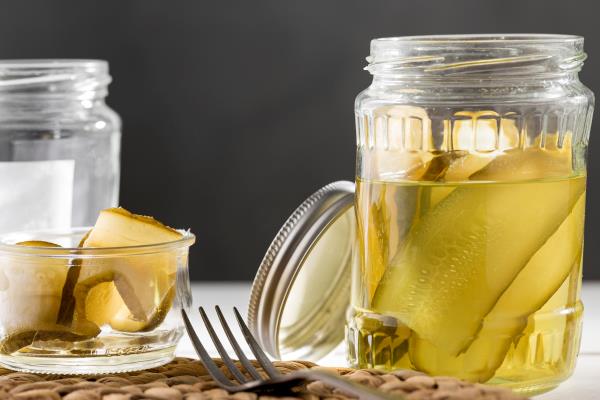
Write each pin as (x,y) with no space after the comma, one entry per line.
(552,333)
(99,299)
(462,255)
(99,302)
(67,302)
(391,210)
(30,296)
(117,227)
(142,281)
(459,169)
(532,288)
(37,243)
(30,289)
(374,252)
(527,164)
(124,322)
(18,340)
(385,213)
(126,292)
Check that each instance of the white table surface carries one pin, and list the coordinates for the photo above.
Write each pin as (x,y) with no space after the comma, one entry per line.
(583,385)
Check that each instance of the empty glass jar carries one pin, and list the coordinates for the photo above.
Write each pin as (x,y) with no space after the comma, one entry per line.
(470,198)
(59,144)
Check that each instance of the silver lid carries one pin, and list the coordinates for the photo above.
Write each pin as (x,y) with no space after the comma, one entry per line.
(302,288)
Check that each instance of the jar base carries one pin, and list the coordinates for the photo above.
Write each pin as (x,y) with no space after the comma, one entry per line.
(88,365)
(528,389)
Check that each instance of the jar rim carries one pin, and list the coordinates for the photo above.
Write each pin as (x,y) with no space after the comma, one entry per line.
(495,38)
(479,56)
(53,79)
(54,63)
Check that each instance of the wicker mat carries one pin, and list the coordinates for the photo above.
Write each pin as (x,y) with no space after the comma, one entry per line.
(187,379)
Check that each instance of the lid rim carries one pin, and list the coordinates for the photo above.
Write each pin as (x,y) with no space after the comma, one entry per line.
(303,224)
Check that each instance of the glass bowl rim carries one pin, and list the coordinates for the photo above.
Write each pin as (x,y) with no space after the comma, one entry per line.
(187,239)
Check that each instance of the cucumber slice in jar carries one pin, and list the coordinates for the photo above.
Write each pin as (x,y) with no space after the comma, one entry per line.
(532,288)
(462,255)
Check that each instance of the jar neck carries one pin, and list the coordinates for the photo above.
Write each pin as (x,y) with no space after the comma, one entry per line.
(487,81)
(53,84)
(36,108)
(476,61)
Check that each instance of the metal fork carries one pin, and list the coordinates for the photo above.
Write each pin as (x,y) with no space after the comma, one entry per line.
(277,382)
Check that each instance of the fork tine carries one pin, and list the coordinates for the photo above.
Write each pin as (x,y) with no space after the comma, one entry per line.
(261,357)
(236,347)
(224,356)
(206,359)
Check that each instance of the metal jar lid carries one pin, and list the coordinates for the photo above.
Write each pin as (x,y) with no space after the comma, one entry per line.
(301,291)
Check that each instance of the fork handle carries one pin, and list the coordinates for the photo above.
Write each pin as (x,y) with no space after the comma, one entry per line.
(357,390)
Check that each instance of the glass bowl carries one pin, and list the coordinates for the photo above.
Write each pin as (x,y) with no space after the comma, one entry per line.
(73,310)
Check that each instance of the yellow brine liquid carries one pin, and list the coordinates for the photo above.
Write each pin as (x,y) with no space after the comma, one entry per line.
(476,278)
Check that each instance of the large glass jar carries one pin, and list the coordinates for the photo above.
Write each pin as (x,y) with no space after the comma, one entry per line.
(59,144)
(470,198)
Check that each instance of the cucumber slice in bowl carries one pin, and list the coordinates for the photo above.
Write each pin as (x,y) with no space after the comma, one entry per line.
(129,293)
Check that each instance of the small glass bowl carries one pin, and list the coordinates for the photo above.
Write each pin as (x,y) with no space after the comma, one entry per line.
(73,310)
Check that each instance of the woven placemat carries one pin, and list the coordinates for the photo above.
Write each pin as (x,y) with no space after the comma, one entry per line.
(187,379)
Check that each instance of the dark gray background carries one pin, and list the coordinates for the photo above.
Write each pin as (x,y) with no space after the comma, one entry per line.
(235,111)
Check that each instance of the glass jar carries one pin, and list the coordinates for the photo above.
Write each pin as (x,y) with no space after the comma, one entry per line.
(471,171)
(86,310)
(59,144)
